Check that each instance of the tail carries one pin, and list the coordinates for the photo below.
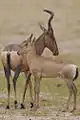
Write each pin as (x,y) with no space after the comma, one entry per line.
(49,21)
(76,75)
(9,64)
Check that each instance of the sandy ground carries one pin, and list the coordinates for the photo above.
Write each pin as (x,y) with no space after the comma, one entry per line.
(50,113)
(43,113)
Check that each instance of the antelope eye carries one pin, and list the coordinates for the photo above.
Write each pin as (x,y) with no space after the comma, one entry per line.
(26,44)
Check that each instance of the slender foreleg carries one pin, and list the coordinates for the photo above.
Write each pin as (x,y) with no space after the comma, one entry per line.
(16,75)
(37,91)
(35,96)
(30,87)
(7,75)
(26,85)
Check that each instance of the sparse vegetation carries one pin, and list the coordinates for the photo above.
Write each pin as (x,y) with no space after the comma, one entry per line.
(52,97)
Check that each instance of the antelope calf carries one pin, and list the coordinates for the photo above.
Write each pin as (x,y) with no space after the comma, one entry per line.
(40,66)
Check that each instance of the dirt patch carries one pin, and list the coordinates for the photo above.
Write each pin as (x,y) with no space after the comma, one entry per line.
(22,115)
(43,113)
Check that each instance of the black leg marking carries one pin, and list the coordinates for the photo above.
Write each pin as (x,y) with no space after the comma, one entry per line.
(22,106)
(31,105)
(15,104)
(16,75)
(26,84)
(28,78)
(7,75)
(7,107)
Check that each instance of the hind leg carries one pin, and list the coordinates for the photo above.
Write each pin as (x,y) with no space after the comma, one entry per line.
(75,94)
(72,90)
(8,86)
(69,84)
(16,75)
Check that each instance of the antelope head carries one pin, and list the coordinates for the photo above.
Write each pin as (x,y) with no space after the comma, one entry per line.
(24,44)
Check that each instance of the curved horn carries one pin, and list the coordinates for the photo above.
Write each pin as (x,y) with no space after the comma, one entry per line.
(49,21)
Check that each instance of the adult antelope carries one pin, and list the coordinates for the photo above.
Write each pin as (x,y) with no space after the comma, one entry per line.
(12,61)
(40,66)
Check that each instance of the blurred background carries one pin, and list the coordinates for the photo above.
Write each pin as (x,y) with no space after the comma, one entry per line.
(20,18)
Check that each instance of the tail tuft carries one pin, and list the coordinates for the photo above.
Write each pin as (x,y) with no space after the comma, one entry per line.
(76,75)
(8,64)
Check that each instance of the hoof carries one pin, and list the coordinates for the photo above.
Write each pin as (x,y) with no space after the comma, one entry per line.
(22,106)
(31,105)
(64,110)
(15,104)
(7,107)
(34,109)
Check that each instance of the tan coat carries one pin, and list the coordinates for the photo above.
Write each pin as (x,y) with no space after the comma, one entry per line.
(46,67)
(15,60)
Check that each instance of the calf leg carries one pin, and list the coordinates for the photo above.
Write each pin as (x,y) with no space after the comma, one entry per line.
(16,75)
(26,85)
(70,93)
(30,87)
(75,94)
(72,89)
(37,91)
(7,75)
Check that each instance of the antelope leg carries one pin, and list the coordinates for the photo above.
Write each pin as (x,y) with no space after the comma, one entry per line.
(30,87)
(8,86)
(74,93)
(37,91)
(24,93)
(69,85)
(16,75)
(70,95)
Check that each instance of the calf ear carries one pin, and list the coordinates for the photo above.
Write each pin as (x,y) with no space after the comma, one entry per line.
(30,37)
(34,39)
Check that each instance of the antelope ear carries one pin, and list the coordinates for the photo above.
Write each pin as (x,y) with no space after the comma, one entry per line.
(34,39)
(30,37)
(42,28)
